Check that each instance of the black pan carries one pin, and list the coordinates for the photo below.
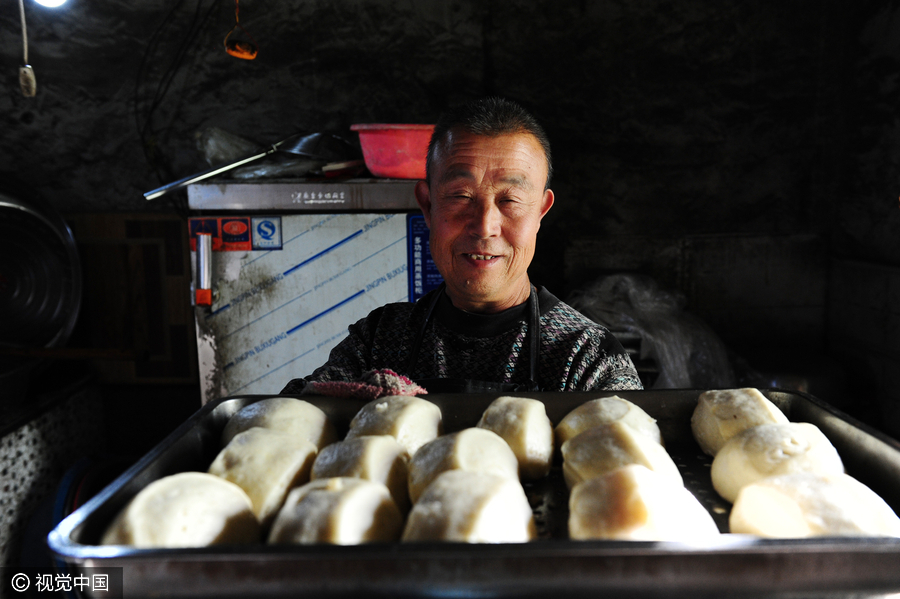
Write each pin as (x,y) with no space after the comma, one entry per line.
(553,566)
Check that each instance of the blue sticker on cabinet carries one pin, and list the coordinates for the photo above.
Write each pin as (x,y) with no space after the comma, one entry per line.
(423,274)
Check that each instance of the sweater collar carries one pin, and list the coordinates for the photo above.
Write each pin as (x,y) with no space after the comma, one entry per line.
(471,324)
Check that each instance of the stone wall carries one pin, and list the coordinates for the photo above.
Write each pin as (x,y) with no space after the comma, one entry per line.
(697,117)
(34,455)
(670,120)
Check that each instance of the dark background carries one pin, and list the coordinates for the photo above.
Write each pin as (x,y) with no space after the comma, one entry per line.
(742,153)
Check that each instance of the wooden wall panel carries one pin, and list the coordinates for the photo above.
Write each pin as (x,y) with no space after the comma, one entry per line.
(136,303)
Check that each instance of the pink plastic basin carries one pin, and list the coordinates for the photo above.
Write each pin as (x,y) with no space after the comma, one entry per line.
(394,151)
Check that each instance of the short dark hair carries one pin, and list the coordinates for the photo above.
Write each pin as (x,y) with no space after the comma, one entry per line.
(490,116)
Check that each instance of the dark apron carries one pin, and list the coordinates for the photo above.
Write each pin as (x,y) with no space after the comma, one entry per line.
(436,385)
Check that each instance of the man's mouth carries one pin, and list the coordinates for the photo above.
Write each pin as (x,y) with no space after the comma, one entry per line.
(481,256)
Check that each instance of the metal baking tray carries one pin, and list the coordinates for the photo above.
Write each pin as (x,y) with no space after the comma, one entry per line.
(734,566)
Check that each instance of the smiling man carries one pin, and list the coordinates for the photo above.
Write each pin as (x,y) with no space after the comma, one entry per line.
(483,202)
(487,328)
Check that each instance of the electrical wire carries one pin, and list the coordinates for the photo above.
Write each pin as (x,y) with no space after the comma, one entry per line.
(150,140)
(24,32)
(162,88)
(143,122)
(164,84)
(152,45)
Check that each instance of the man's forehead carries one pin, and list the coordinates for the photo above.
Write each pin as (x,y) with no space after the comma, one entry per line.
(514,158)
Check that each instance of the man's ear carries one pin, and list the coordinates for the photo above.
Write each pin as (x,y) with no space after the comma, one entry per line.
(423,198)
(547,201)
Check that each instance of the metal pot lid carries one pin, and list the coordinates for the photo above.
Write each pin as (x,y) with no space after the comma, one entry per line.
(40,276)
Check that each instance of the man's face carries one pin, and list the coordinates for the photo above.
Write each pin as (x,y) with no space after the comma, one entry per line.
(484,207)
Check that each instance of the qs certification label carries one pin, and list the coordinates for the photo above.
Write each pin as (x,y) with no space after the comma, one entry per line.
(266,232)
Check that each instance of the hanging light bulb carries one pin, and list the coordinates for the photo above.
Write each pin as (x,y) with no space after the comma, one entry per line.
(51,3)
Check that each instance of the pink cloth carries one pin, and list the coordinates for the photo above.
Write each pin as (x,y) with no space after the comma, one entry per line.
(372,385)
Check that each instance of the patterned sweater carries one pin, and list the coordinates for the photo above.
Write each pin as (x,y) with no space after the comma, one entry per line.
(576,354)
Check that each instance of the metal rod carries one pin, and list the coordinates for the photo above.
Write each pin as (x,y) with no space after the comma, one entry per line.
(204,261)
(161,191)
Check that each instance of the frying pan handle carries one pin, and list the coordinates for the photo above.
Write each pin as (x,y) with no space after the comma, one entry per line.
(161,191)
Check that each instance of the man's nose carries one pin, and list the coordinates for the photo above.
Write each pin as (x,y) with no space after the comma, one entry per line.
(485,219)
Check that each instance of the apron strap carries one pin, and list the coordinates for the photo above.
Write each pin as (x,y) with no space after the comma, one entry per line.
(414,353)
(534,333)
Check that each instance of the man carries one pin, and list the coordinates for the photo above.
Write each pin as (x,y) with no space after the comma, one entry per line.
(487,328)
